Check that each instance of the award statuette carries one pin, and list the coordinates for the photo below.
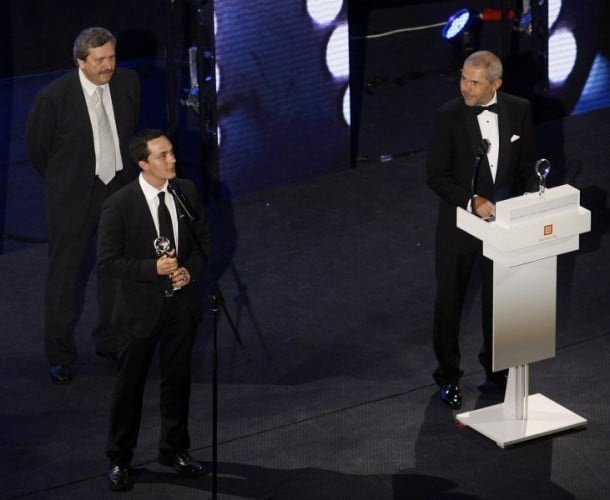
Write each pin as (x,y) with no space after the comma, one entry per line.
(163,246)
(542,168)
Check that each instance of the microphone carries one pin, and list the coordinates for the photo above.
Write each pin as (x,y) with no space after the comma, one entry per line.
(483,147)
(481,151)
(183,205)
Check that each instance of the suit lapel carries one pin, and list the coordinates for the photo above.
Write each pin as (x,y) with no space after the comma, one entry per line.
(117,92)
(183,234)
(472,127)
(484,180)
(81,106)
(148,229)
(504,132)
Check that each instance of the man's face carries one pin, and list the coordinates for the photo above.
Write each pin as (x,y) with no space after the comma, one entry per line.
(99,64)
(476,89)
(160,165)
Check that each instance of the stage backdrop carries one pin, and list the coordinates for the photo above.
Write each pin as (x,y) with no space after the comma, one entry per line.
(282,98)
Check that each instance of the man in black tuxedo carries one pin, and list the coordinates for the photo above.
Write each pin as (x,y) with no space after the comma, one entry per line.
(76,137)
(157,302)
(498,144)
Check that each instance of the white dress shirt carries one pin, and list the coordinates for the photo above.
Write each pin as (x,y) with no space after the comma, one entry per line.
(152,198)
(488,123)
(89,93)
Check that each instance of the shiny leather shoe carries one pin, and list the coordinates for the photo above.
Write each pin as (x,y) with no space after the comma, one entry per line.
(451,395)
(499,378)
(495,383)
(112,356)
(60,374)
(119,478)
(183,464)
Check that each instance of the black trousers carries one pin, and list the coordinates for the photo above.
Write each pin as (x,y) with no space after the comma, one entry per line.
(453,274)
(174,334)
(71,257)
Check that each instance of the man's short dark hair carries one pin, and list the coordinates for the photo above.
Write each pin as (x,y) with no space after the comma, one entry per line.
(138,146)
(90,38)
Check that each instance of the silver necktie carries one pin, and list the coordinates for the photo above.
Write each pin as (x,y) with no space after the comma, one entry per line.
(107,161)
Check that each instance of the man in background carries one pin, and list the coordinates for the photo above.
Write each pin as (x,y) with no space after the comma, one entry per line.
(76,137)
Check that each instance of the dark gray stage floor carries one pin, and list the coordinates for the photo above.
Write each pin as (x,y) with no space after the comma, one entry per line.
(331,285)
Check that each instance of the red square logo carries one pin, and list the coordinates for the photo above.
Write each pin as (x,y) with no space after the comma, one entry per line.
(548,229)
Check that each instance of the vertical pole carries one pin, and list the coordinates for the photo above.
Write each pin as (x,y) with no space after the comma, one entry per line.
(206,78)
(169,62)
(214,299)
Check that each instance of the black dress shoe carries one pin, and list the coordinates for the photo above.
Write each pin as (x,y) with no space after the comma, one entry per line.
(498,378)
(183,464)
(451,395)
(60,374)
(119,478)
(112,356)
(495,383)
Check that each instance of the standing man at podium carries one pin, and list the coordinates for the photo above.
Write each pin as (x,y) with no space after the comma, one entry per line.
(482,152)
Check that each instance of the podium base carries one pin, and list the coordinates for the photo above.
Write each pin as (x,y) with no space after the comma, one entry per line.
(544,417)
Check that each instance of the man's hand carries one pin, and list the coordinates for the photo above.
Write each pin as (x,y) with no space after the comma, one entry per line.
(482,207)
(167,264)
(180,277)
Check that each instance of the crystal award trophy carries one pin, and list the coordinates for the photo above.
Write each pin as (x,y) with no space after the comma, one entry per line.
(542,168)
(163,246)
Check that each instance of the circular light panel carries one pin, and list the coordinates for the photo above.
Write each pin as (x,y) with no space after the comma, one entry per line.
(562,55)
(336,50)
(323,11)
(456,24)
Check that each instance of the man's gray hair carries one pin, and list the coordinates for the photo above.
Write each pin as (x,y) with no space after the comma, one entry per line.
(90,38)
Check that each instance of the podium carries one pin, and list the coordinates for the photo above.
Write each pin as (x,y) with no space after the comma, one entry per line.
(523,242)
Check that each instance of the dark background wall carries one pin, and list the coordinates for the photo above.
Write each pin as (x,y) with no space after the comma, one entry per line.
(396,79)
(37,34)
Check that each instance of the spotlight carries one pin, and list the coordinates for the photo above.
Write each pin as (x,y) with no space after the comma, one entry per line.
(463,30)
(523,23)
(460,23)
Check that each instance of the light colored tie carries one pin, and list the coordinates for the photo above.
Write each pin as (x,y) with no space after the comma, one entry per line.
(107,161)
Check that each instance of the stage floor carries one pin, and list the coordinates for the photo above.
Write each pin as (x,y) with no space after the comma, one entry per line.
(331,285)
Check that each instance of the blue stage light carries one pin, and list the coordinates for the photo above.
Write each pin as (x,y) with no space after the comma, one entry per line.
(463,31)
(459,23)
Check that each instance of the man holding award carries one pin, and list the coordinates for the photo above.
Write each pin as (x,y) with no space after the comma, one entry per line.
(155,242)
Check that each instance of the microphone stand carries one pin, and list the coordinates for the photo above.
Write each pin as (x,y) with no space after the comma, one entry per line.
(217,302)
(482,151)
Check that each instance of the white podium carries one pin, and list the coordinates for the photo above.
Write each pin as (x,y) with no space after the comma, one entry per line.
(523,242)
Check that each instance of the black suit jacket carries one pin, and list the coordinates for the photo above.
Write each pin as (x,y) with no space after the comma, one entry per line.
(451,161)
(59,141)
(125,251)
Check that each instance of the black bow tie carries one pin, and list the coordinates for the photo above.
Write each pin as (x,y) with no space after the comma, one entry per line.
(492,107)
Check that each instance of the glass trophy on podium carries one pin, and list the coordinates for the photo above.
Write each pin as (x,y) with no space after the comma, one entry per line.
(542,168)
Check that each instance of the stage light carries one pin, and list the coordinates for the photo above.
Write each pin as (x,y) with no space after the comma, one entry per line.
(463,30)
(524,22)
(346,106)
(465,21)
(324,11)
(336,50)
(460,23)
(563,52)
(554,8)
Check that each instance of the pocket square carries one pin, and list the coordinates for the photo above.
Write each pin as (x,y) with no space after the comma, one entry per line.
(514,138)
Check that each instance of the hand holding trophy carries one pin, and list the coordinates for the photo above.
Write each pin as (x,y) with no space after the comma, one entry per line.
(163,247)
